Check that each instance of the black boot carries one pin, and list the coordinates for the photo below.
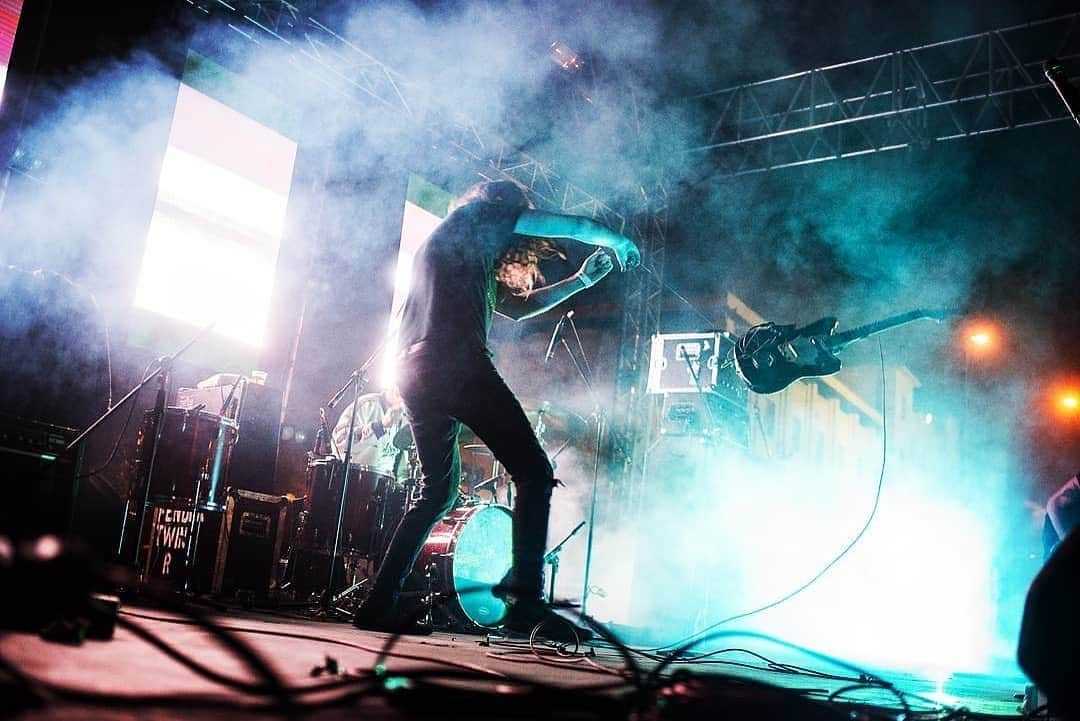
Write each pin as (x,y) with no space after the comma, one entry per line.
(523,586)
(378,612)
(523,616)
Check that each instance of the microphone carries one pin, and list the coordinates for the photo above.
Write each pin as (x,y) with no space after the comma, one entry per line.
(555,335)
(1055,73)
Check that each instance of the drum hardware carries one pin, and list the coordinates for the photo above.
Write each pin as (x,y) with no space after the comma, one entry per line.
(162,371)
(350,589)
(494,482)
(553,422)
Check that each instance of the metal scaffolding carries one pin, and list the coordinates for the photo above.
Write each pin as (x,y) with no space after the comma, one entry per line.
(958,88)
(968,86)
(321,53)
(633,411)
(327,57)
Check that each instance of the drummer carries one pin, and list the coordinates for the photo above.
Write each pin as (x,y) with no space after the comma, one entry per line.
(380,419)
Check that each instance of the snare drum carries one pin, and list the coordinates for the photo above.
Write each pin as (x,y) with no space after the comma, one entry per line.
(466,554)
(362,525)
(192,460)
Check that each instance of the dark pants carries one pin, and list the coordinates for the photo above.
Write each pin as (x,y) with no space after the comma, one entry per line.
(441,393)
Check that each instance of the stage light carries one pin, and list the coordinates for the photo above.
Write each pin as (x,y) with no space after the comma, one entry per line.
(1061,400)
(1068,402)
(566,58)
(980,340)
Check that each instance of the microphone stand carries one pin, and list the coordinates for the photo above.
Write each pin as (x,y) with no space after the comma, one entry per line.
(551,558)
(162,372)
(601,426)
(358,380)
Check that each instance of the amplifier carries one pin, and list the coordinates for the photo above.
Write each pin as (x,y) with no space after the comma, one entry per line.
(707,415)
(251,544)
(40,481)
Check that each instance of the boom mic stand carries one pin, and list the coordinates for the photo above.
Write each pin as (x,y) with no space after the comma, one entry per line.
(551,558)
(358,380)
(162,372)
(601,425)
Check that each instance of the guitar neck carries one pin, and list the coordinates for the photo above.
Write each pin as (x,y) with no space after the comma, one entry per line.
(839,341)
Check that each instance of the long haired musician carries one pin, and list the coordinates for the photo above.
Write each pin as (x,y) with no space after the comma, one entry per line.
(482,258)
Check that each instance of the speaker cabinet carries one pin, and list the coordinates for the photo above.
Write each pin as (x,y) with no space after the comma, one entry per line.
(252,544)
(40,479)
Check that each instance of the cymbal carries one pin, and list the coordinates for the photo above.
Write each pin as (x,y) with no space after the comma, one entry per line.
(558,421)
(560,424)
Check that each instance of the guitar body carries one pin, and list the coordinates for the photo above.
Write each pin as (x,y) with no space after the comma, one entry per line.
(771,357)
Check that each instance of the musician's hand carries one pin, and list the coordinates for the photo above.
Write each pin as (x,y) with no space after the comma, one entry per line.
(595,267)
(628,254)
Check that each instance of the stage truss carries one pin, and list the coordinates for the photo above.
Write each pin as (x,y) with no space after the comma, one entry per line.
(329,58)
(959,88)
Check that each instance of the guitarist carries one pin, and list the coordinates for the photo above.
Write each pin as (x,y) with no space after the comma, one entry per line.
(486,251)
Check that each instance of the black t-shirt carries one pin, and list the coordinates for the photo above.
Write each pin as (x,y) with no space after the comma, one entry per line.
(453,292)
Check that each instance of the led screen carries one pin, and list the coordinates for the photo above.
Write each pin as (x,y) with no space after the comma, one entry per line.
(9,22)
(217,224)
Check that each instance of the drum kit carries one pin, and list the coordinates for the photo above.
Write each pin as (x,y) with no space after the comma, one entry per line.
(182,459)
(467,552)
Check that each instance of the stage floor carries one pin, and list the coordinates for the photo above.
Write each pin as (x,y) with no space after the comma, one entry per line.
(473,669)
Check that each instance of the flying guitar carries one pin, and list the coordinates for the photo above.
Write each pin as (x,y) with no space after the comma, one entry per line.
(770,357)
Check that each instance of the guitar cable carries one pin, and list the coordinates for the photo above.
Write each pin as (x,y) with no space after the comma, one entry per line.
(682,646)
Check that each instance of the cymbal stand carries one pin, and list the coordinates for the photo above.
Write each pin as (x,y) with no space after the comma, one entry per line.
(601,426)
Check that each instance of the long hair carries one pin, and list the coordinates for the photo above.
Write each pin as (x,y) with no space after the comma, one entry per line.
(503,192)
(518,268)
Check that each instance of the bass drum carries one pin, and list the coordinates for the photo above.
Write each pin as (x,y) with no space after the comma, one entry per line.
(362,526)
(466,554)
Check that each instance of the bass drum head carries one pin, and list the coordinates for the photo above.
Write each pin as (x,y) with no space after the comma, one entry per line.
(481,557)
